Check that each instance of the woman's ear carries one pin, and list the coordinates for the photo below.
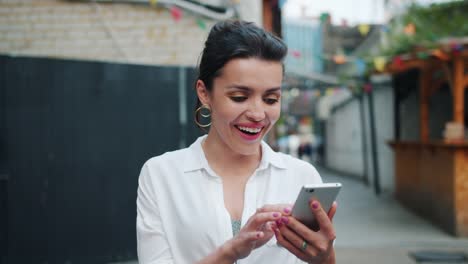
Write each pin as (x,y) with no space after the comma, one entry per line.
(202,93)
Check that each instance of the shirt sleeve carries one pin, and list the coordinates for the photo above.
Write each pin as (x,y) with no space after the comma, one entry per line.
(152,244)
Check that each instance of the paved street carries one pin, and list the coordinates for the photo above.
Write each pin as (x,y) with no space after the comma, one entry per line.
(373,229)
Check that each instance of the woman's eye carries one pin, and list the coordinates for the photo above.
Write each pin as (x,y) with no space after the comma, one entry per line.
(238,98)
(271,100)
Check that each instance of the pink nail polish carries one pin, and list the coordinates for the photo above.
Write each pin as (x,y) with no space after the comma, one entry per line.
(275,214)
(258,235)
(279,224)
(285,220)
(287,210)
(315,205)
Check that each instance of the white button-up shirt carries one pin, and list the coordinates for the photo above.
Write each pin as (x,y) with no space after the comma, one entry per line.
(181,217)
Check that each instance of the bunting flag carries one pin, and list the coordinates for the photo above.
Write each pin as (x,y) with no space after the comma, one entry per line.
(360,66)
(344,22)
(296,54)
(379,63)
(201,23)
(410,29)
(324,17)
(339,59)
(176,13)
(329,91)
(422,55)
(364,29)
(456,48)
(397,62)
(440,55)
(385,28)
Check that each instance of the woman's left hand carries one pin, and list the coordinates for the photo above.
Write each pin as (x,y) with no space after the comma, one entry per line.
(309,245)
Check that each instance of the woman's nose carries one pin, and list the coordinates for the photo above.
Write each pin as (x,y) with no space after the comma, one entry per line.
(256,112)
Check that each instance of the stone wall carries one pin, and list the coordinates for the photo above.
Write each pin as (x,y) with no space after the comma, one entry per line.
(117,32)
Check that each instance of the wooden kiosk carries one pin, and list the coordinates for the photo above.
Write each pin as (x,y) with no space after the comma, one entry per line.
(431,176)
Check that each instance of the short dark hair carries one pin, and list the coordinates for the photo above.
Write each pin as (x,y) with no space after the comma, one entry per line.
(232,39)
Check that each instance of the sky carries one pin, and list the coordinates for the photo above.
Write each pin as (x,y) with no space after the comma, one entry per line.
(353,11)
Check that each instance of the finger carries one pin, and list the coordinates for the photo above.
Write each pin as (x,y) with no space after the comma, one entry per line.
(268,233)
(323,221)
(316,243)
(259,219)
(281,240)
(253,236)
(298,241)
(267,229)
(257,235)
(285,209)
(296,226)
(332,211)
(297,232)
(244,242)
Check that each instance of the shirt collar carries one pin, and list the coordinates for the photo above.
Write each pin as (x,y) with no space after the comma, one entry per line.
(196,159)
(270,157)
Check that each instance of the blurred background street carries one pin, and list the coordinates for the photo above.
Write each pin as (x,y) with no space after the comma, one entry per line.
(373,95)
(373,229)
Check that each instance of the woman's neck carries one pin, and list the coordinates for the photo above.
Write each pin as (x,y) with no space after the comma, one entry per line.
(227,163)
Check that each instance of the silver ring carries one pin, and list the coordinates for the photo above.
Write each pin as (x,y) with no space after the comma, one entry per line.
(304,245)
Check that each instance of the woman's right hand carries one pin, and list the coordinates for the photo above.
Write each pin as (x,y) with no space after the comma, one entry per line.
(257,231)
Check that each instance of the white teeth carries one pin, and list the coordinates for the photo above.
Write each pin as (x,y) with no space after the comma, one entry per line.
(250,129)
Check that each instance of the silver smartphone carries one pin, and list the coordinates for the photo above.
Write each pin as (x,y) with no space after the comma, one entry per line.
(325,193)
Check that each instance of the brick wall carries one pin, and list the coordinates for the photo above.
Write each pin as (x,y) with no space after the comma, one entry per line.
(127,33)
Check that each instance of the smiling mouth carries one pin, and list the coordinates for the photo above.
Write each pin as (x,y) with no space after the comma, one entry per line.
(249,130)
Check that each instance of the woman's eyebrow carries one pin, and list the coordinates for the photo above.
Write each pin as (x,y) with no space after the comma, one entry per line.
(247,89)
(239,87)
(272,90)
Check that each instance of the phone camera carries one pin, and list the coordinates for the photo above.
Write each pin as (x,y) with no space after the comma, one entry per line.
(310,190)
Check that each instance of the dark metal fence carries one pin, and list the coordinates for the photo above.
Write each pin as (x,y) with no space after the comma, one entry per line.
(73,138)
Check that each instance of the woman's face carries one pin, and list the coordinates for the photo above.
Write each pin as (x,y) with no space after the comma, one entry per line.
(245,103)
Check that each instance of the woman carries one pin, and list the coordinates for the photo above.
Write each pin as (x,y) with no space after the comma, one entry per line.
(227,198)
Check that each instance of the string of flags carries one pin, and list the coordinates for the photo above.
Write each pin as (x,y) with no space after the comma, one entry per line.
(415,35)
(364,65)
(177,14)
(379,63)
(367,64)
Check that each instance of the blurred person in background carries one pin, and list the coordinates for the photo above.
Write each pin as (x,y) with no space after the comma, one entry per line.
(294,141)
(228,196)
(305,148)
(307,139)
